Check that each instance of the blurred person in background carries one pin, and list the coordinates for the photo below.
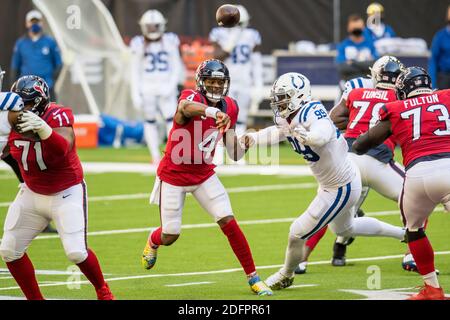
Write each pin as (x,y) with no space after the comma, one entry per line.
(356,53)
(36,53)
(156,71)
(239,48)
(439,64)
(376,29)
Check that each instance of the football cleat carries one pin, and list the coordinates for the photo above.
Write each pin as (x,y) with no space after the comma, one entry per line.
(149,255)
(104,293)
(429,293)
(339,251)
(301,268)
(278,281)
(409,264)
(259,287)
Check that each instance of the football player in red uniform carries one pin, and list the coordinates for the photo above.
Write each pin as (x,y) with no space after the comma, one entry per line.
(419,122)
(53,190)
(202,119)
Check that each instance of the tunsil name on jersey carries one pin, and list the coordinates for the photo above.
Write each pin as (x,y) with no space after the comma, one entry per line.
(382,95)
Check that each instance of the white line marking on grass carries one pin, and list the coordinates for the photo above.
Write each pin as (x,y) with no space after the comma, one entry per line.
(135,196)
(130,167)
(302,286)
(189,284)
(214,225)
(216,271)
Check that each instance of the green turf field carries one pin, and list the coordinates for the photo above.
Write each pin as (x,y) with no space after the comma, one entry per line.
(201,264)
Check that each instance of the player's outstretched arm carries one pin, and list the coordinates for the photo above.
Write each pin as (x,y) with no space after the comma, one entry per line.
(268,136)
(189,109)
(234,148)
(340,114)
(372,138)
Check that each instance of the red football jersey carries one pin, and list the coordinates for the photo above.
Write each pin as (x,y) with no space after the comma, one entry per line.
(421,125)
(364,106)
(190,148)
(44,172)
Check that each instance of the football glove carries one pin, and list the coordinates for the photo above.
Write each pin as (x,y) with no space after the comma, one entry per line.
(30,121)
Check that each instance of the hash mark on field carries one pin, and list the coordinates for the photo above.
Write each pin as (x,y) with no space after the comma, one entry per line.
(189,284)
(303,286)
(137,196)
(216,271)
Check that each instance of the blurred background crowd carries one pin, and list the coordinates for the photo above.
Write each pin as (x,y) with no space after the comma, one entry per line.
(121,64)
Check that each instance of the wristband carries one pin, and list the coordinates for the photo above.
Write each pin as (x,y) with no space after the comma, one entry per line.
(211,112)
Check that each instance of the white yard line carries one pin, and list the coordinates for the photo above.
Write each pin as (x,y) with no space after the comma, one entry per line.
(213,225)
(189,284)
(188,274)
(130,167)
(271,187)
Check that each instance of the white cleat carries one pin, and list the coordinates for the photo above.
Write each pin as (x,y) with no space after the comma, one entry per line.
(278,281)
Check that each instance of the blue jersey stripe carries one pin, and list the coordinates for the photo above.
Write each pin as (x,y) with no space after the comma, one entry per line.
(352,83)
(338,133)
(13,103)
(360,83)
(305,114)
(2,106)
(325,216)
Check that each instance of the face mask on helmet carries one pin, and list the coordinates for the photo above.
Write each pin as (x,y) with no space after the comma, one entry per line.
(152,31)
(413,82)
(290,92)
(385,71)
(34,92)
(215,88)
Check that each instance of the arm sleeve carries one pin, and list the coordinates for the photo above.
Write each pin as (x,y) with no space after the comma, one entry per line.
(268,136)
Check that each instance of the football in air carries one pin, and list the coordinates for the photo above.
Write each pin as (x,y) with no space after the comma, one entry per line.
(228,16)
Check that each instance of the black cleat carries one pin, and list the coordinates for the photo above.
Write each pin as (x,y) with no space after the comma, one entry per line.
(339,251)
(301,268)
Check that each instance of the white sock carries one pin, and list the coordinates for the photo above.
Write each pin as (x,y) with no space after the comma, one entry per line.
(431,279)
(152,139)
(367,226)
(294,255)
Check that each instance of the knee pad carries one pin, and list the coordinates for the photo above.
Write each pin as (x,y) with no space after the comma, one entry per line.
(77,256)
(10,255)
(415,235)
(301,226)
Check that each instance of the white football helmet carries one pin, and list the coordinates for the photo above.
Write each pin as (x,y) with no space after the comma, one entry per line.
(153,24)
(245,17)
(289,93)
(385,71)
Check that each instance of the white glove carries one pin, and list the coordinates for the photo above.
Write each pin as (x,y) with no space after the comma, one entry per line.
(29,121)
(301,134)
